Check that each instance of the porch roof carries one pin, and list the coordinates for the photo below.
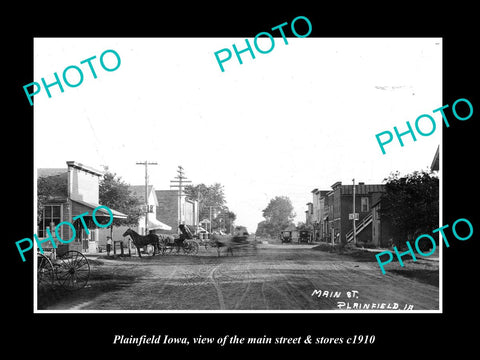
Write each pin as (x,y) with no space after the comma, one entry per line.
(154,224)
(435,166)
(79,207)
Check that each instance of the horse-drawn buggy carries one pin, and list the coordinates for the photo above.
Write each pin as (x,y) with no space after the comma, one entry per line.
(165,243)
(238,241)
(185,242)
(188,243)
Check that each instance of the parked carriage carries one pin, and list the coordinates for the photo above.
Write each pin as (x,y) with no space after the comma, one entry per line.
(286,236)
(240,233)
(70,270)
(301,236)
(305,236)
(188,243)
(169,244)
(164,244)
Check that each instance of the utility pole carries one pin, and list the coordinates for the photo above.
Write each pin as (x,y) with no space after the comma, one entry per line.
(181,179)
(210,219)
(146,163)
(354,213)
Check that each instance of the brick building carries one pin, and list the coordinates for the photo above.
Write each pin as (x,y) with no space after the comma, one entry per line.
(320,214)
(331,209)
(343,206)
(309,219)
(173,212)
(381,228)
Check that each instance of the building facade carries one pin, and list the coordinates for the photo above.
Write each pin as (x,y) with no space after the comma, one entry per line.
(309,219)
(174,210)
(343,206)
(332,208)
(381,228)
(149,211)
(65,194)
(319,215)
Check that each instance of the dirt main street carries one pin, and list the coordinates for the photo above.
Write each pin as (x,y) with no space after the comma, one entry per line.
(270,277)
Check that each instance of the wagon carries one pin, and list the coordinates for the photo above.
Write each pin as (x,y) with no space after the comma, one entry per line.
(304,236)
(71,270)
(286,236)
(186,242)
(188,246)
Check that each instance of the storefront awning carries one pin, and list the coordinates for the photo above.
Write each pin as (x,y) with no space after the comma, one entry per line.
(154,224)
(79,207)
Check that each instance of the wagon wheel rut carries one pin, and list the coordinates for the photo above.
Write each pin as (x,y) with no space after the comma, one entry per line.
(292,291)
(211,277)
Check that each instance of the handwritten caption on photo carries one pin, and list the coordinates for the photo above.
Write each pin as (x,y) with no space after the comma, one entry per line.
(238,340)
(353,304)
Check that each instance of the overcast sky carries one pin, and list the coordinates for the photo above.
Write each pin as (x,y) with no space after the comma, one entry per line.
(301,117)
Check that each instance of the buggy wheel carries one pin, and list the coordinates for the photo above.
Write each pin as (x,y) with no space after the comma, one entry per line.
(166,249)
(169,249)
(190,247)
(161,248)
(73,270)
(45,271)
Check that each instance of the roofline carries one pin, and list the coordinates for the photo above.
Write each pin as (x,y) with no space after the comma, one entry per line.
(436,159)
(88,169)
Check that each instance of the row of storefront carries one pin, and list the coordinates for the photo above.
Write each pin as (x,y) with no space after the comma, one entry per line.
(331,212)
(74,190)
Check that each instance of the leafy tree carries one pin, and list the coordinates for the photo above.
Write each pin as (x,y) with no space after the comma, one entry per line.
(50,188)
(264,229)
(229,218)
(278,215)
(211,200)
(303,226)
(223,219)
(115,193)
(410,204)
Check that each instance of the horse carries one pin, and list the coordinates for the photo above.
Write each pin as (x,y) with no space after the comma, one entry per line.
(220,241)
(230,243)
(143,240)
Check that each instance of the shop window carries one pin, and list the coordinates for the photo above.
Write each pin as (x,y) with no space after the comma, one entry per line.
(364,204)
(52,216)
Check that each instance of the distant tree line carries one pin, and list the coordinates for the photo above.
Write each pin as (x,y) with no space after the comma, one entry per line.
(278,216)
(212,205)
(411,205)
